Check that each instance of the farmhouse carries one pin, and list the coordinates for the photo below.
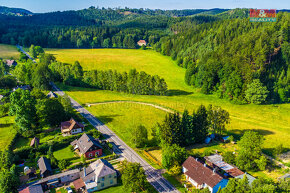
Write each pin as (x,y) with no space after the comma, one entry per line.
(99,175)
(51,95)
(88,146)
(202,176)
(58,179)
(11,63)
(71,127)
(44,167)
(141,43)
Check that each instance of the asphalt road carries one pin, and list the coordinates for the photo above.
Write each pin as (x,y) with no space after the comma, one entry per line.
(153,176)
(21,49)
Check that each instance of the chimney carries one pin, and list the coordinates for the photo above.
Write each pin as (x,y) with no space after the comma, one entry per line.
(204,164)
(214,170)
(85,174)
(196,159)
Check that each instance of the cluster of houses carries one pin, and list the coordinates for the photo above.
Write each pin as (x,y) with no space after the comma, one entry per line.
(98,175)
(213,173)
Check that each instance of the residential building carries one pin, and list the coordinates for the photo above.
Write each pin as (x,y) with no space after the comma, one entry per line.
(202,176)
(51,95)
(71,127)
(32,189)
(24,87)
(216,161)
(88,146)
(142,43)
(58,179)
(11,63)
(44,167)
(99,175)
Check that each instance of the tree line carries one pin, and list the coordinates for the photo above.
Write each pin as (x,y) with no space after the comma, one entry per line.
(133,82)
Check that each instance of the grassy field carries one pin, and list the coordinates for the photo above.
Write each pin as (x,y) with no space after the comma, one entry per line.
(7,131)
(270,120)
(123,117)
(8,51)
(66,153)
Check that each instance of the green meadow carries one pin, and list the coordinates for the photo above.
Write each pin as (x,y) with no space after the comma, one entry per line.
(7,131)
(8,52)
(272,121)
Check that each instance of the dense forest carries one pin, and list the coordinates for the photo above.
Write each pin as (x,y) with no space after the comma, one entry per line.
(223,52)
(226,56)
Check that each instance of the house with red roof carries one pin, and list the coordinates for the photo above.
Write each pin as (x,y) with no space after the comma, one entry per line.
(71,127)
(202,176)
(141,43)
(88,146)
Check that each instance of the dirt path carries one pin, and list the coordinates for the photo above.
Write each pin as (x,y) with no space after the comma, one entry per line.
(142,103)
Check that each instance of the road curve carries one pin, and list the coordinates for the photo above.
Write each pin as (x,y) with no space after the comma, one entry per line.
(153,176)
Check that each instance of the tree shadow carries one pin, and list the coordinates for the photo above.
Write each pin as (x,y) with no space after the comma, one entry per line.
(5,125)
(177,92)
(238,133)
(107,118)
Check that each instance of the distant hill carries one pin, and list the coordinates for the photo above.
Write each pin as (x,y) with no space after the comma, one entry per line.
(240,13)
(14,11)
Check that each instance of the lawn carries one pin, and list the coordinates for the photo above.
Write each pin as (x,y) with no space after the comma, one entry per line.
(7,132)
(66,153)
(8,52)
(270,120)
(123,117)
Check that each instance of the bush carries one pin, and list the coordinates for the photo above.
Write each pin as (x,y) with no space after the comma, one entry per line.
(23,152)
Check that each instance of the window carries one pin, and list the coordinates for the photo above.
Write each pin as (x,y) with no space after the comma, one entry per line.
(103,178)
(90,155)
(102,184)
(111,182)
(110,176)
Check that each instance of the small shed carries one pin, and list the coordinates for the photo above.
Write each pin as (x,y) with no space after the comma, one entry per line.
(44,167)
(34,141)
(207,140)
(51,95)
(226,138)
(11,63)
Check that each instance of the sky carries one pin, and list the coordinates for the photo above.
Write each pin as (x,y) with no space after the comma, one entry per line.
(40,6)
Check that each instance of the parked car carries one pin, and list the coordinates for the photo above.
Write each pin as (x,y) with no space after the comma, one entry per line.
(69,190)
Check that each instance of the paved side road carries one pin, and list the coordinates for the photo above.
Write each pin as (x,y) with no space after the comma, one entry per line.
(154,177)
(21,49)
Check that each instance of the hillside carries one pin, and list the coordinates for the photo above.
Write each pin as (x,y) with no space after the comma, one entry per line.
(225,56)
(14,11)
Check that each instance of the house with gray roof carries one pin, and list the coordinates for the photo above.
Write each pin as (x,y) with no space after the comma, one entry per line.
(87,146)
(44,167)
(99,175)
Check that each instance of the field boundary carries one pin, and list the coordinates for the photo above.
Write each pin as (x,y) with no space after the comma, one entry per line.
(136,102)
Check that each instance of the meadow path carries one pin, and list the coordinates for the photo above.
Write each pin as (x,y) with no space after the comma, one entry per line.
(135,102)
(121,148)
